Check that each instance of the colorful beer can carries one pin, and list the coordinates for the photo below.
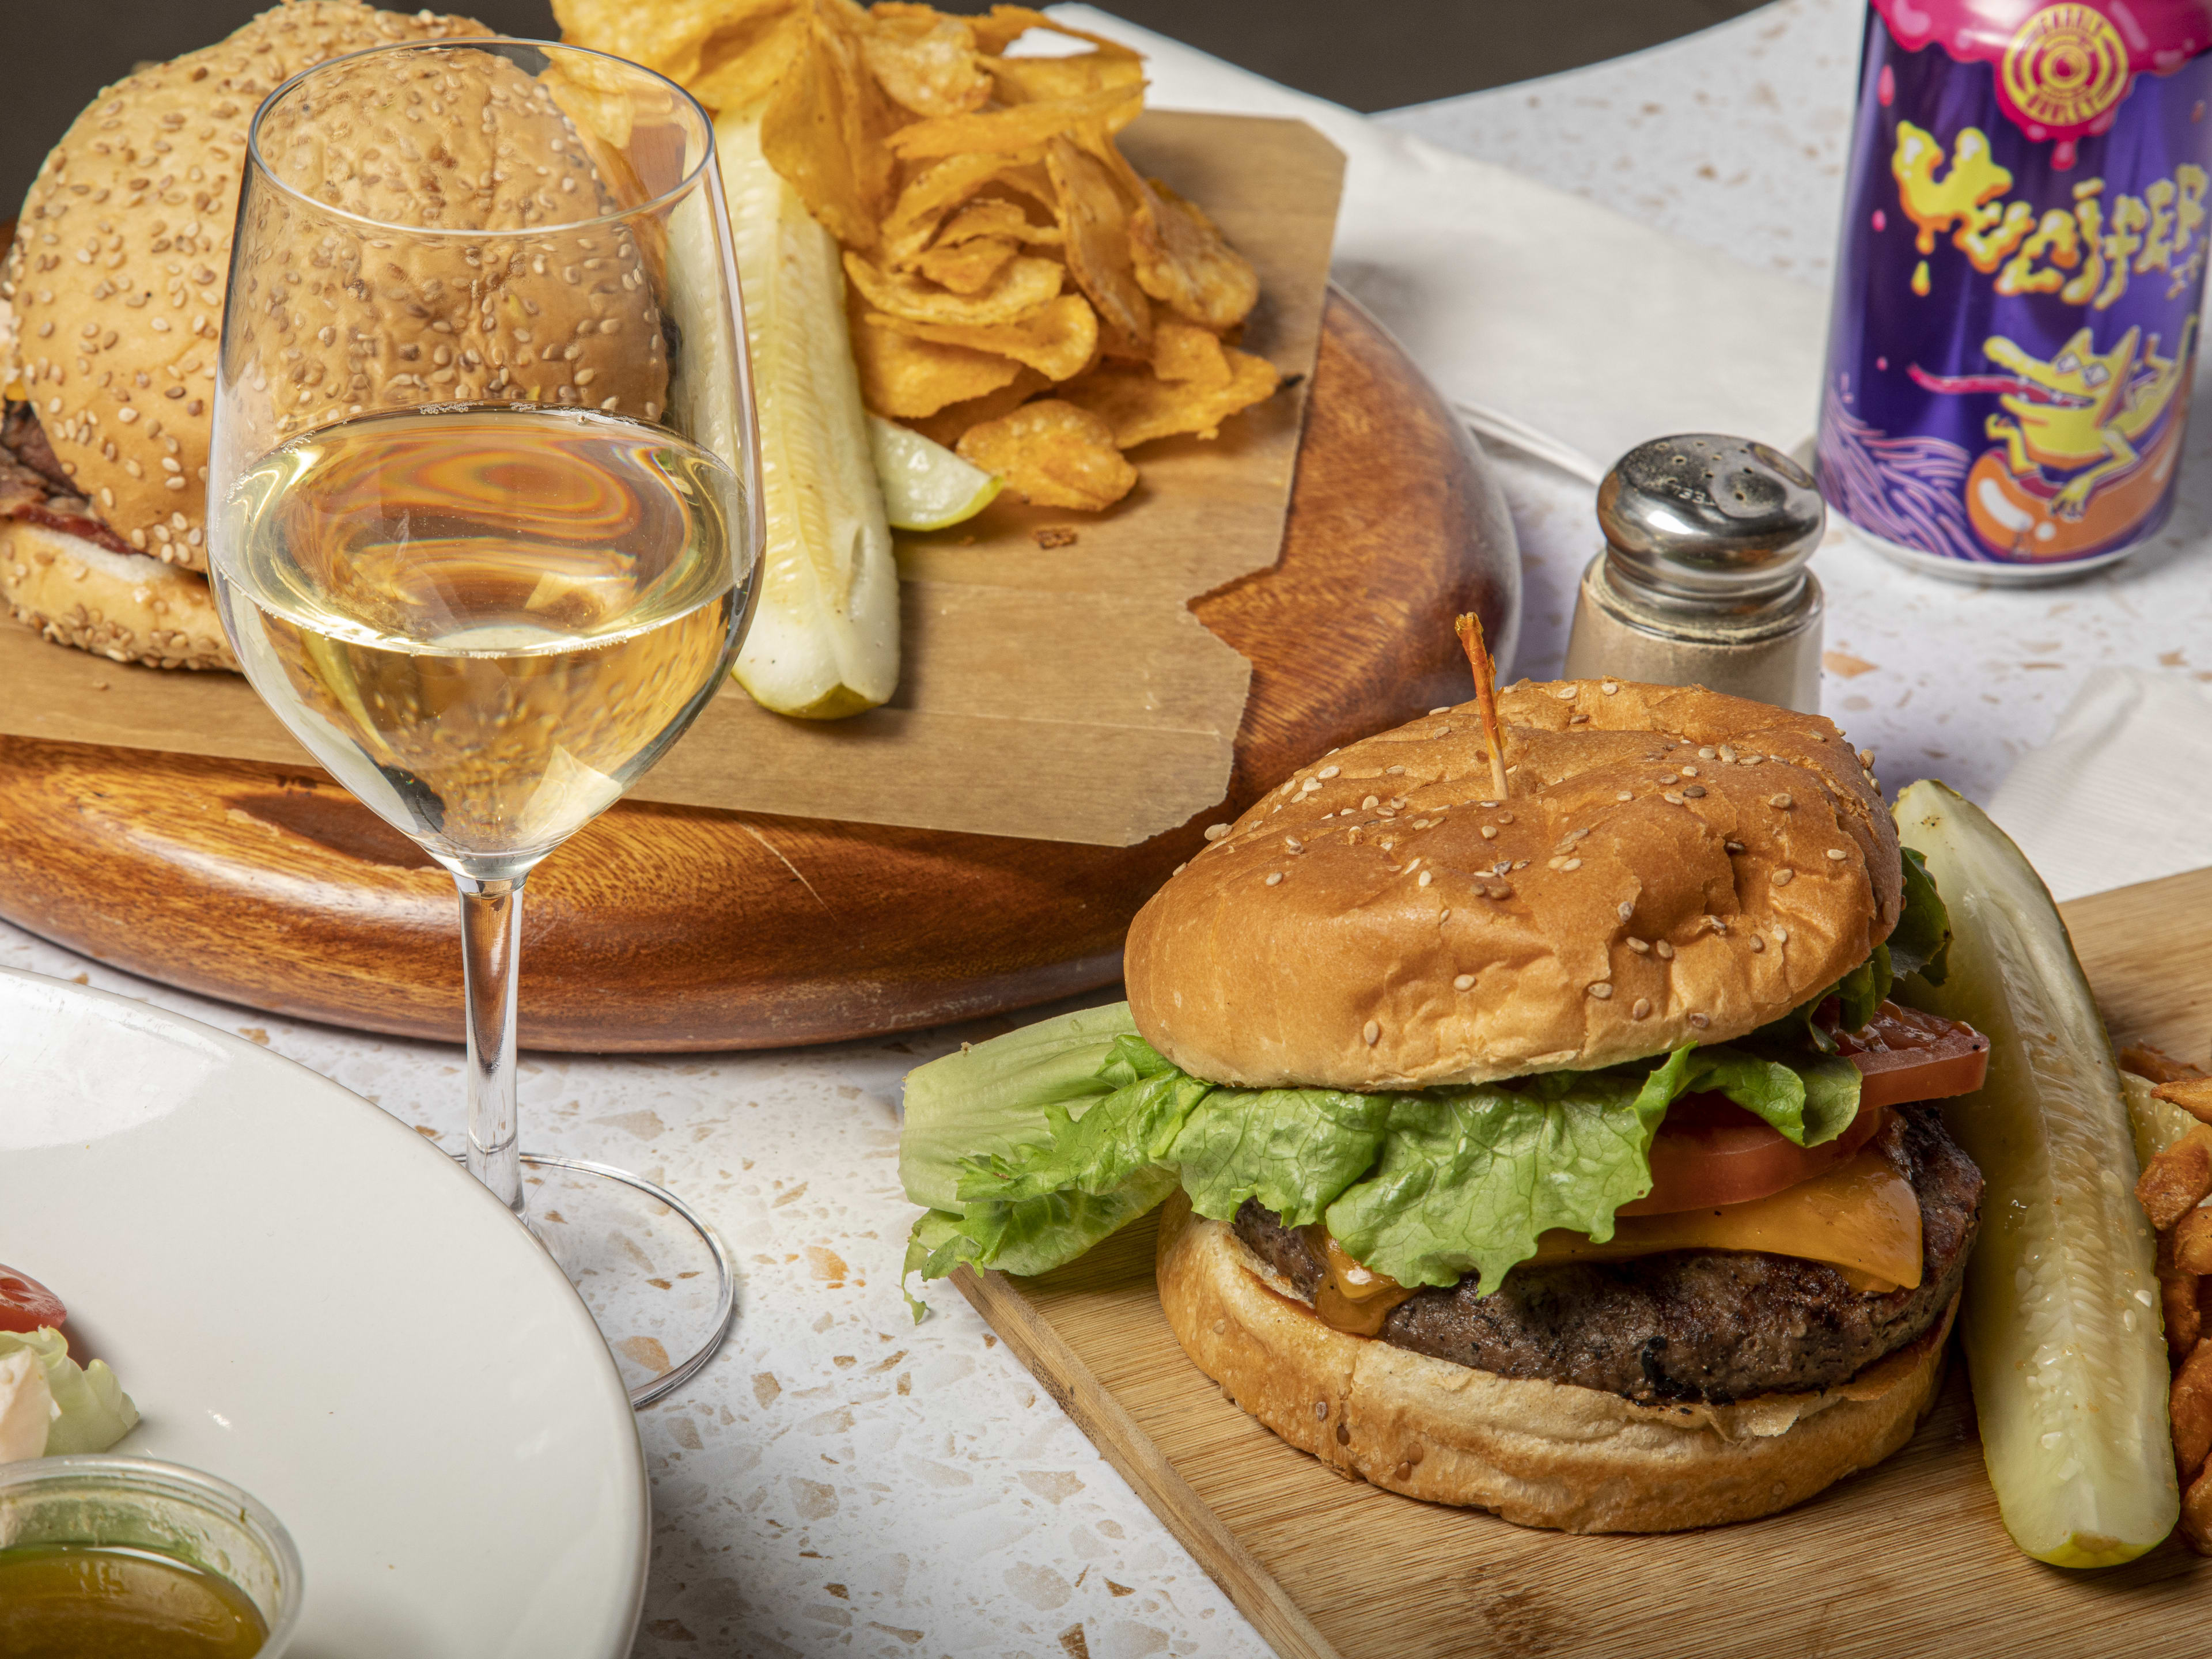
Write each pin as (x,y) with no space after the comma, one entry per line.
(2017,291)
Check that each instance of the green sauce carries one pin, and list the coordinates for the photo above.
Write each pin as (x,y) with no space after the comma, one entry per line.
(84,1601)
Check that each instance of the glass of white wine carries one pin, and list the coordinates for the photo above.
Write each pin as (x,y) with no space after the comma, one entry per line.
(486,517)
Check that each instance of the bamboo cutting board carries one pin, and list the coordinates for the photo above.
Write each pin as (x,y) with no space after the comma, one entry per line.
(1906,1558)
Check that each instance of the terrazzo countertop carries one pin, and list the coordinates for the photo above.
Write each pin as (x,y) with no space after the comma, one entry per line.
(840,1481)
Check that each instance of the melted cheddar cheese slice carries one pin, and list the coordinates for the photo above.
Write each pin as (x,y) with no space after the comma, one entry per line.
(1862,1216)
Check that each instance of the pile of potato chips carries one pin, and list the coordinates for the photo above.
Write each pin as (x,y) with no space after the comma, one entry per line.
(998,246)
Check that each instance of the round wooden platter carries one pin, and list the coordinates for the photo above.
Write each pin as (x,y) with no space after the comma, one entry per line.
(670,928)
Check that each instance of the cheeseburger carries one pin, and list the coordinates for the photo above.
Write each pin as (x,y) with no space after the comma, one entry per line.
(110,310)
(1558,1149)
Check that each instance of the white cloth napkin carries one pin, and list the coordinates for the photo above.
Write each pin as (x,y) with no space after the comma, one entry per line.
(1617,332)
(2122,792)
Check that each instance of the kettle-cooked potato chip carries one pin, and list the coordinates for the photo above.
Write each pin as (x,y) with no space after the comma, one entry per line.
(952,422)
(1095,218)
(1023,126)
(993,216)
(1184,351)
(904,378)
(1059,342)
(924,60)
(1029,80)
(1138,408)
(933,192)
(1025,287)
(667,35)
(1182,258)
(740,64)
(1053,455)
(967,267)
(824,127)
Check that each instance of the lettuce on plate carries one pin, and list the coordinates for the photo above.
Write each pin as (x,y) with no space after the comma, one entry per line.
(1027,1150)
(92,1412)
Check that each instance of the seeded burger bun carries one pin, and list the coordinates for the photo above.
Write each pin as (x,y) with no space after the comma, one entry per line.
(1671,866)
(116,278)
(1674,865)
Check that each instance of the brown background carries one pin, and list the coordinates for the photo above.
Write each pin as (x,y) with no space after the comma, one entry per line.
(1370,54)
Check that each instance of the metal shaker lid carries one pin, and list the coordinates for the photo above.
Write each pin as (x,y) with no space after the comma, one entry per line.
(1705,517)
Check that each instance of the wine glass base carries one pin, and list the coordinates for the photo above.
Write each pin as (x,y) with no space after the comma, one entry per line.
(656,1278)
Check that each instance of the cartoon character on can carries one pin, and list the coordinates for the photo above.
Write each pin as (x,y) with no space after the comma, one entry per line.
(2023,262)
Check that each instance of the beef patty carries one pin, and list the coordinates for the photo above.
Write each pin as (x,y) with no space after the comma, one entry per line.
(1706,1325)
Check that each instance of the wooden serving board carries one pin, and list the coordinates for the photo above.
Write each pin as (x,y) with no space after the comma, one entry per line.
(667,927)
(1907,1559)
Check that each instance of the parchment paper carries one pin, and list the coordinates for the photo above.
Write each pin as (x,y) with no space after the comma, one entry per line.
(1062,694)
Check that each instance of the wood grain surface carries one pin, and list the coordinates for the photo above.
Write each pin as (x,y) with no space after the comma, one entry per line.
(667,927)
(1907,1559)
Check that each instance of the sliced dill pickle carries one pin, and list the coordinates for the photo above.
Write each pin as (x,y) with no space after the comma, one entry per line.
(2061,1316)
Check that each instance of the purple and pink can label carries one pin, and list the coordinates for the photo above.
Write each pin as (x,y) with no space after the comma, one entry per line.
(2027,226)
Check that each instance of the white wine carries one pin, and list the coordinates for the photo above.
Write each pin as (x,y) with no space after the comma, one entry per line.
(485,621)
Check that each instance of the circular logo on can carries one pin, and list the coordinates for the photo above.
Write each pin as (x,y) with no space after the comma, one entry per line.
(2065,67)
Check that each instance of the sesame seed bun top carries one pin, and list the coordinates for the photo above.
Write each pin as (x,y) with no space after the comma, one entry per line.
(1673,866)
(117,271)
(436,247)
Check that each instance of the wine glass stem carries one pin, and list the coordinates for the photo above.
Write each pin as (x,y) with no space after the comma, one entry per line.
(491,939)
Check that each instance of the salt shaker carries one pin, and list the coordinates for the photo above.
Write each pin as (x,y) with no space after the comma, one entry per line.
(1703,579)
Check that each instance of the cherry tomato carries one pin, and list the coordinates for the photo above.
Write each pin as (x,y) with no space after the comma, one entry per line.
(26,1304)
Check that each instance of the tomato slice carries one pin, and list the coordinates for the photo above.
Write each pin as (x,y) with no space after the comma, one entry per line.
(1904,1056)
(26,1304)
(1709,1151)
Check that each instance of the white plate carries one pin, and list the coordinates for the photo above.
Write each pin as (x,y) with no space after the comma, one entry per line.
(306,1298)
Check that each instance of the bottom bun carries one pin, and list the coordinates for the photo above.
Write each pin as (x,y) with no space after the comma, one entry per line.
(128,607)
(1539,1454)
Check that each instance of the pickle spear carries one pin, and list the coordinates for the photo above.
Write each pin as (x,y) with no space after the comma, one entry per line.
(2061,1314)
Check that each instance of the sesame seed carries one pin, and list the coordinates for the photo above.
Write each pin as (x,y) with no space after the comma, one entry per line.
(1568,693)
(1700,1021)
(1665,950)
(1572,864)
(1782,801)
(1732,846)
(1490,832)
(1427,876)
(1782,936)
(1294,843)
(1691,771)
(1671,798)
(1275,879)
(1602,991)
(1695,792)
(1330,771)
(1642,947)
(1608,686)
(1371,1031)
(1498,889)
(1668,777)
(1216,831)
(1180,868)
(1445,709)
(1397,803)
(1707,753)
(1464,982)
(1369,804)
(1866,759)
(1444,915)
(1758,944)
(1392,771)
(1624,910)
(1838,854)
(1782,878)
(1642,1010)
(1485,804)
(1520,864)
(1310,786)
(1728,756)
(1625,795)
(1505,817)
